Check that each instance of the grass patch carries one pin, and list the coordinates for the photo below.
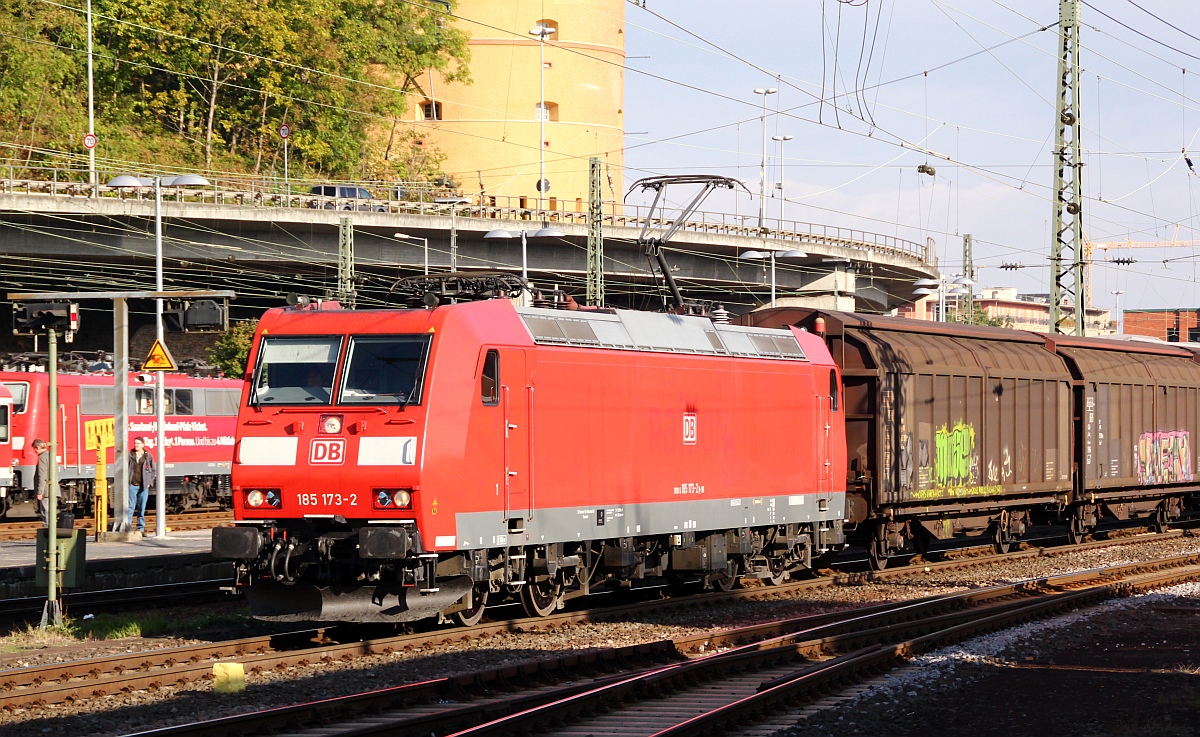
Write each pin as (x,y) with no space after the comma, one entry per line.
(117,626)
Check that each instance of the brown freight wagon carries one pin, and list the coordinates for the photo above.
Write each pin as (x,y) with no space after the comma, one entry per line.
(1137,408)
(956,430)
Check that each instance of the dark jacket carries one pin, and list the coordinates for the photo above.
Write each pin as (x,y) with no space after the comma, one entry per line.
(148,471)
(41,474)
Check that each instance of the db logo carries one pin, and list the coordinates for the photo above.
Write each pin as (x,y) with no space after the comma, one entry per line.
(689,428)
(327,451)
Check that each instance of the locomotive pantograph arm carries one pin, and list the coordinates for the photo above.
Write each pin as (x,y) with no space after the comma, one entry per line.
(653,246)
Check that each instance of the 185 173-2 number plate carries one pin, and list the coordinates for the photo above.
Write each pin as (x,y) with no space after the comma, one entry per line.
(327,499)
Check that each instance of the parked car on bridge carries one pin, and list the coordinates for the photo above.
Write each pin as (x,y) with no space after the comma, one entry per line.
(356,198)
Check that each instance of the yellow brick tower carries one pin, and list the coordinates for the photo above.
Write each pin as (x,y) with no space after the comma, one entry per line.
(490,129)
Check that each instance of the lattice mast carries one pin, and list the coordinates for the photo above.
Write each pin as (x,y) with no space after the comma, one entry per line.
(595,243)
(1068,260)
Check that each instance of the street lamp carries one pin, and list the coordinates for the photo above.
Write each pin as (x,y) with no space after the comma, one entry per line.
(525,235)
(91,107)
(424,242)
(779,186)
(941,286)
(542,31)
(762,172)
(772,255)
(127,181)
(1117,311)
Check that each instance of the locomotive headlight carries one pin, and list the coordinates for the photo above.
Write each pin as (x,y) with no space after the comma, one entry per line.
(393,499)
(331,424)
(255,498)
(274,498)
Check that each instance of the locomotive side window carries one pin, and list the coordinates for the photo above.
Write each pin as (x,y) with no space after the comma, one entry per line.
(3,423)
(96,400)
(833,391)
(143,401)
(182,404)
(384,369)
(295,370)
(19,391)
(490,381)
(222,402)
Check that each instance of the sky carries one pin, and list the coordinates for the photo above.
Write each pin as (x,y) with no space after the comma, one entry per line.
(872,89)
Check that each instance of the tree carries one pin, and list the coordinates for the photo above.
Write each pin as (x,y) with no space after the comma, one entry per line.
(232,349)
(980,318)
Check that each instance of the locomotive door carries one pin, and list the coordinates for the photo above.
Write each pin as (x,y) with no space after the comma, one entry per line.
(824,463)
(515,397)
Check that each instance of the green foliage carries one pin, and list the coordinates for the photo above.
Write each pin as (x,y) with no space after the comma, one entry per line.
(980,318)
(208,82)
(230,351)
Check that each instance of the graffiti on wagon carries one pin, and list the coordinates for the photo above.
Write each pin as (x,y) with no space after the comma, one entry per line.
(1163,457)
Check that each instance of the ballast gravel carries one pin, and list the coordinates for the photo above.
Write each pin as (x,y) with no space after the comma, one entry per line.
(145,710)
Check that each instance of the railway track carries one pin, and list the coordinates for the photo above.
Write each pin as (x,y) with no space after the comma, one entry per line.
(70,681)
(713,683)
(27,529)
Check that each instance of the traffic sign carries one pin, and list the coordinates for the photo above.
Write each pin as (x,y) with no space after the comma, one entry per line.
(98,434)
(89,141)
(284,131)
(159,359)
(543,185)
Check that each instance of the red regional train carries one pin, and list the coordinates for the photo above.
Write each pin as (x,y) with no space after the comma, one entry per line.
(200,421)
(399,464)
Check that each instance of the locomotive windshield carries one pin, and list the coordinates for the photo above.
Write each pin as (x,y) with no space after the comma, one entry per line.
(295,370)
(385,369)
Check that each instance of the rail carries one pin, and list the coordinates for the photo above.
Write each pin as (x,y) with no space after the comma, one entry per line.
(423,199)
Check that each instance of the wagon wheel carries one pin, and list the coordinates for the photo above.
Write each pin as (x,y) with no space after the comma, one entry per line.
(540,598)
(1001,540)
(877,553)
(1159,522)
(1075,528)
(470,617)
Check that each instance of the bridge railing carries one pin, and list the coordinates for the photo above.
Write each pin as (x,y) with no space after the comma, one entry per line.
(422,199)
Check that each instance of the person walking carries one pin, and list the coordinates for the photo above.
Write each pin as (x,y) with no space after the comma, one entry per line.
(141,478)
(41,480)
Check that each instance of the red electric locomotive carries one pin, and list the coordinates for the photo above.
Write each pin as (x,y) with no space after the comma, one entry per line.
(406,463)
(199,434)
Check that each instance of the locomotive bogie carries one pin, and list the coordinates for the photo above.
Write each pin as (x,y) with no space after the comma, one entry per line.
(527,453)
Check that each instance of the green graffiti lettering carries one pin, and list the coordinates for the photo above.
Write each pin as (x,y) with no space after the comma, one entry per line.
(954,450)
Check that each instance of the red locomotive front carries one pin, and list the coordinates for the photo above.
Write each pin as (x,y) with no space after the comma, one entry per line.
(399,464)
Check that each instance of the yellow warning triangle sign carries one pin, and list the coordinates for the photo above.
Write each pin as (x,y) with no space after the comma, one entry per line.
(159,359)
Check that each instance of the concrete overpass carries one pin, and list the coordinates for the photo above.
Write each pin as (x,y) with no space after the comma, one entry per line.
(264,245)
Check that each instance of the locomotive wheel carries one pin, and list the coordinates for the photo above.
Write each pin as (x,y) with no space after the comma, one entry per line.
(727,582)
(470,617)
(1001,540)
(1159,522)
(779,572)
(540,598)
(1075,529)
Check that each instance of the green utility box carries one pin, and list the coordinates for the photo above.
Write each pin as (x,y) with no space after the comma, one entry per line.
(71,560)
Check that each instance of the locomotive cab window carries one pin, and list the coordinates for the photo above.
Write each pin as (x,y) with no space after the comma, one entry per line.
(4,423)
(295,370)
(489,383)
(143,401)
(833,391)
(385,369)
(181,403)
(19,391)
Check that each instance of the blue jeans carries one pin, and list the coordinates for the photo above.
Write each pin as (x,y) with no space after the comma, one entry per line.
(137,505)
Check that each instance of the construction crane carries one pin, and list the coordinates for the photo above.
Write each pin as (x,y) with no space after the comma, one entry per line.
(1090,247)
